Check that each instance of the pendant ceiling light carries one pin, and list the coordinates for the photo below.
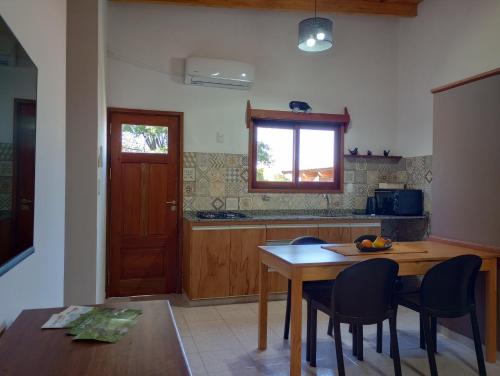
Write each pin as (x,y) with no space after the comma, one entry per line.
(315,34)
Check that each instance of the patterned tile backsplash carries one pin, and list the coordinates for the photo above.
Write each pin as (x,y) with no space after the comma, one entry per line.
(216,181)
(5,176)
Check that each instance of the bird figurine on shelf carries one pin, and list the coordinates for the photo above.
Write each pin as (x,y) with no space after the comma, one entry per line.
(386,153)
(297,106)
(353,151)
(368,152)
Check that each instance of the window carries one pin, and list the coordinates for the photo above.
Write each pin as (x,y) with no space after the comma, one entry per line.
(146,139)
(295,157)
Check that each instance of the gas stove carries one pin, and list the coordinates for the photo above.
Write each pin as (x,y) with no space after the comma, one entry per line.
(220,215)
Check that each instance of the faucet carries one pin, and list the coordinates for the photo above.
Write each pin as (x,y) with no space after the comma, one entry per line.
(325,195)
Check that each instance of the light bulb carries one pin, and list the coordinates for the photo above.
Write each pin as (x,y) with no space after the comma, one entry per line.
(243,75)
(311,42)
(320,36)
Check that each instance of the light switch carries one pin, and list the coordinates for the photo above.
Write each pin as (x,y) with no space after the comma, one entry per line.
(219,137)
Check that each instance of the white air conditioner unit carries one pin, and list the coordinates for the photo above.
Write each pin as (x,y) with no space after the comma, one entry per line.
(219,73)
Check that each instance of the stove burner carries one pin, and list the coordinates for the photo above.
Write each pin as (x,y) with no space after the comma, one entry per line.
(219,215)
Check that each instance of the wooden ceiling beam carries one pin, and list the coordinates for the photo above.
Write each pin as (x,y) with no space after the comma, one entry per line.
(400,8)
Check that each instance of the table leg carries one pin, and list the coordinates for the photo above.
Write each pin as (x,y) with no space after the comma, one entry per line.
(296,326)
(491,313)
(263,287)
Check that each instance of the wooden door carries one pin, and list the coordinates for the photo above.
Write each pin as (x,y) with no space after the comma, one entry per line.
(210,252)
(24,174)
(365,228)
(244,261)
(144,202)
(335,232)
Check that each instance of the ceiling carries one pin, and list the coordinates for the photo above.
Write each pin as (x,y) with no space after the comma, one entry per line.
(401,8)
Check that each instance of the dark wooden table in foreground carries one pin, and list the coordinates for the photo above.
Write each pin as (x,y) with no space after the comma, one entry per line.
(152,347)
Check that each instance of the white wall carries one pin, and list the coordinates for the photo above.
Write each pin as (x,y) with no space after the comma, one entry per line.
(448,41)
(85,177)
(38,280)
(147,44)
(17,82)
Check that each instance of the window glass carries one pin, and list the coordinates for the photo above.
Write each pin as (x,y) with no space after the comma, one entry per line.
(150,139)
(316,155)
(274,155)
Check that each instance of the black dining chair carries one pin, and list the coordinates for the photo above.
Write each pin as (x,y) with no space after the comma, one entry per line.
(312,285)
(363,294)
(447,291)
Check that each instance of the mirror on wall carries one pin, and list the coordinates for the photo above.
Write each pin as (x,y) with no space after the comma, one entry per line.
(18,88)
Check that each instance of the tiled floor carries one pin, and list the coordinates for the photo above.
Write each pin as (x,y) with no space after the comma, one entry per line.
(222,340)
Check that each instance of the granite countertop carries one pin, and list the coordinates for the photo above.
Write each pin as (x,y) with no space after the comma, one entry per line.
(300,215)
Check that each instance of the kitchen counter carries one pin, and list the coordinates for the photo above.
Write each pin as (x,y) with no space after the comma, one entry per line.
(301,215)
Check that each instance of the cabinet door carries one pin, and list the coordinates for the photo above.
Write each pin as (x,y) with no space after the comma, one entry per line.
(365,228)
(244,259)
(210,252)
(335,232)
(288,232)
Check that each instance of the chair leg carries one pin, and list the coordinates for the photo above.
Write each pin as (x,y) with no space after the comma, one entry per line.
(308,335)
(434,332)
(477,343)
(429,345)
(422,337)
(314,333)
(330,327)
(354,340)
(287,313)
(360,342)
(338,347)
(380,330)
(395,345)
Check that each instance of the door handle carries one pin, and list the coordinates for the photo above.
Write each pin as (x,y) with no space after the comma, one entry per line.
(25,201)
(171,203)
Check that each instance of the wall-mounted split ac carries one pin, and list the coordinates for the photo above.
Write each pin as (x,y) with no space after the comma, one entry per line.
(219,73)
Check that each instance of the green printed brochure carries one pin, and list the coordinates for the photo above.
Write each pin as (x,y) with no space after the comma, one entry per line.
(104,324)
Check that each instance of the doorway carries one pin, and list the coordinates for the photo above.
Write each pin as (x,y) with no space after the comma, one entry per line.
(144,202)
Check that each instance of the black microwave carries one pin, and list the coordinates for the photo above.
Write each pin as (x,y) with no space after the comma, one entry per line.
(399,202)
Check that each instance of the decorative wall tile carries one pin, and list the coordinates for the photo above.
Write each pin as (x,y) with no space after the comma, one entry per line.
(5,168)
(217,160)
(245,203)
(349,176)
(231,203)
(189,188)
(6,152)
(217,203)
(216,188)
(5,201)
(233,174)
(233,160)
(222,180)
(189,174)
(202,161)
(5,184)
(189,159)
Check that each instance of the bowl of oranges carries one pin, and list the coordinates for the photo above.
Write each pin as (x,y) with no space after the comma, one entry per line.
(373,243)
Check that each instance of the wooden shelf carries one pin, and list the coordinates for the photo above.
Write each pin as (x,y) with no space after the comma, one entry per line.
(253,114)
(391,157)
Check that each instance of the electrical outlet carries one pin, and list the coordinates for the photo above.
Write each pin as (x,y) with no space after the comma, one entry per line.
(219,138)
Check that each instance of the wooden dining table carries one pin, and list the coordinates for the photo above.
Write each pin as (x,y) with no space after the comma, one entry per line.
(301,263)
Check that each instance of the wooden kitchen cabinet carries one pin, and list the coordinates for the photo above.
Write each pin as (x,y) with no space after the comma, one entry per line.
(210,250)
(288,232)
(365,228)
(339,232)
(244,259)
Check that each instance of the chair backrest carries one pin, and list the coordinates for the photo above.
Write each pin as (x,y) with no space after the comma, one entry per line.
(365,290)
(305,240)
(449,286)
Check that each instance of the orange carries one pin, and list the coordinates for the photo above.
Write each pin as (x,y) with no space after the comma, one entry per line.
(366,243)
